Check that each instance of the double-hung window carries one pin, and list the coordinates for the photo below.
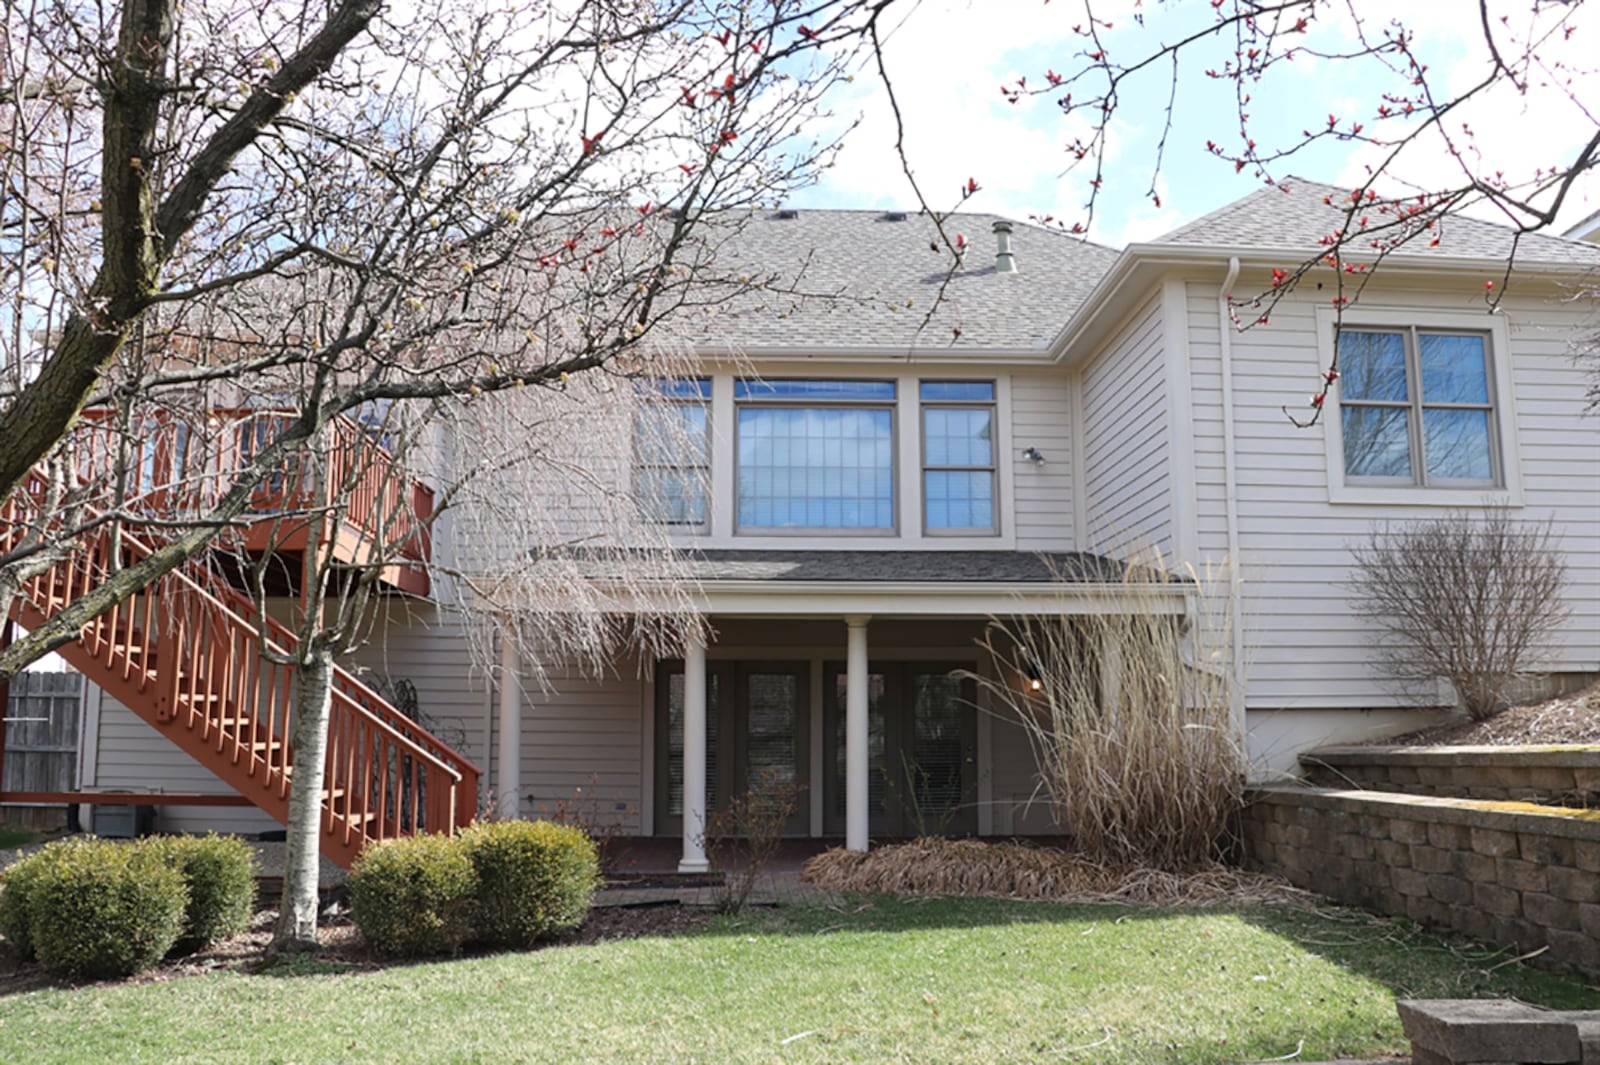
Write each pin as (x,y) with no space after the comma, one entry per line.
(1417,407)
(673,452)
(958,467)
(815,456)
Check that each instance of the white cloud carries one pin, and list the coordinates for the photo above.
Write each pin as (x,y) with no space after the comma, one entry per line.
(949,58)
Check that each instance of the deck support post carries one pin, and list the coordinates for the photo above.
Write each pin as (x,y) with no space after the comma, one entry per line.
(5,702)
(508,770)
(694,755)
(857,765)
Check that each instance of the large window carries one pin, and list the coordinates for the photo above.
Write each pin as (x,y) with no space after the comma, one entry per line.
(1416,408)
(815,455)
(958,471)
(673,451)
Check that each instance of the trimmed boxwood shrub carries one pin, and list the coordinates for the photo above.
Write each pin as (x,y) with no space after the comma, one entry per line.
(100,910)
(220,872)
(18,885)
(414,897)
(535,879)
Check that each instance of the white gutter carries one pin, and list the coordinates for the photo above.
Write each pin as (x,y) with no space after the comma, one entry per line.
(1139,263)
(1230,485)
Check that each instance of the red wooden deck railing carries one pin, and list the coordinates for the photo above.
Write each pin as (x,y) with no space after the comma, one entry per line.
(176,465)
(188,655)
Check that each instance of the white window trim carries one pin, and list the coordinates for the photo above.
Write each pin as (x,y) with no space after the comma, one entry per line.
(896,491)
(640,467)
(1507,494)
(992,405)
(909,535)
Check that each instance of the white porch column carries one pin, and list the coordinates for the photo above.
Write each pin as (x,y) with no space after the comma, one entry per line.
(508,769)
(856,763)
(694,756)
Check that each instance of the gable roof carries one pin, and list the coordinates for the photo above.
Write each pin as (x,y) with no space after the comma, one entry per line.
(860,280)
(1294,216)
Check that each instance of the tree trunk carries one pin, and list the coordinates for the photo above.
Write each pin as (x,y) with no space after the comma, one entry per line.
(297,920)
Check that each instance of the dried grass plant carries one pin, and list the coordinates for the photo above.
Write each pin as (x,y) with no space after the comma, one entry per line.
(1008,869)
(1124,693)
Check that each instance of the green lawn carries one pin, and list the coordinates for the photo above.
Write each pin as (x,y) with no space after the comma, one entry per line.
(11,838)
(911,981)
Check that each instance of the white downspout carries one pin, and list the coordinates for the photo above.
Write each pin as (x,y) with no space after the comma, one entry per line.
(1230,485)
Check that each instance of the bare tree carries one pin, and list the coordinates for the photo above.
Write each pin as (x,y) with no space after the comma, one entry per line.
(361,207)
(230,227)
(1469,598)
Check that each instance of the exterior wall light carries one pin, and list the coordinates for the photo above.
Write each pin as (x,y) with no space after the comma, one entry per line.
(1033,455)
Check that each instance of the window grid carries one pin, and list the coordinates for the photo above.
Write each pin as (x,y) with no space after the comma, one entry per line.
(958,457)
(1413,408)
(816,455)
(672,452)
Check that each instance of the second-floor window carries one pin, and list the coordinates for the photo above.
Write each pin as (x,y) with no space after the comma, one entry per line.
(958,470)
(673,450)
(815,455)
(1416,408)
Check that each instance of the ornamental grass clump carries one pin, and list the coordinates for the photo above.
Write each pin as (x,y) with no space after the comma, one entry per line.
(414,897)
(536,879)
(102,910)
(1124,694)
(220,874)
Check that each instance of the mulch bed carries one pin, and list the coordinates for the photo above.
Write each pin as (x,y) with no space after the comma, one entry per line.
(343,950)
(1573,718)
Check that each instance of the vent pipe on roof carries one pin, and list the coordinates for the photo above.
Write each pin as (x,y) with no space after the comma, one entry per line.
(1004,261)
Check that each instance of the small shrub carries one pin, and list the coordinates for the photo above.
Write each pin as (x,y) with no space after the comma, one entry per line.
(414,897)
(535,879)
(1471,598)
(221,877)
(101,910)
(18,886)
(742,838)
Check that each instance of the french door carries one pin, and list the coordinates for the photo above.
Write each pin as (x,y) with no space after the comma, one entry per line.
(921,750)
(757,728)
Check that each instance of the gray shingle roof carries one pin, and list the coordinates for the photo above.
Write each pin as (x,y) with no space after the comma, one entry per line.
(1297,219)
(936,567)
(862,280)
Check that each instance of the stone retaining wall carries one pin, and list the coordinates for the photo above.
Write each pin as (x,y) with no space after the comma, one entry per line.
(1518,876)
(1564,775)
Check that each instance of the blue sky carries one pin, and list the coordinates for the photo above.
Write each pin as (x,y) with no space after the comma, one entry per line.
(949,58)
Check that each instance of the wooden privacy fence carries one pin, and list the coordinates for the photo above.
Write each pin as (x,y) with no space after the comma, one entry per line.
(41,742)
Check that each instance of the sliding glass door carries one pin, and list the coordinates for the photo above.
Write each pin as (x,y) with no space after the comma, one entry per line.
(757,731)
(921,750)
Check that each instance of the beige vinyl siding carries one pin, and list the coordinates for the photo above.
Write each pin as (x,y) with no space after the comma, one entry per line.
(131,755)
(1042,493)
(1307,648)
(1019,804)
(428,645)
(582,746)
(1126,462)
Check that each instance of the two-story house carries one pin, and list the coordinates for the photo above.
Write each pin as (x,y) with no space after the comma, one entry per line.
(884,454)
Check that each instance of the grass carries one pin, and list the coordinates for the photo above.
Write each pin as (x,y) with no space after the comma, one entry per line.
(896,980)
(12,838)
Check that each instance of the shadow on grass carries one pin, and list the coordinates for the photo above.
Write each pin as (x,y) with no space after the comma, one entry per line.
(1410,961)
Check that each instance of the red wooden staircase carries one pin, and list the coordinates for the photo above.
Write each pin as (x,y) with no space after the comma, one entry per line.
(186,656)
